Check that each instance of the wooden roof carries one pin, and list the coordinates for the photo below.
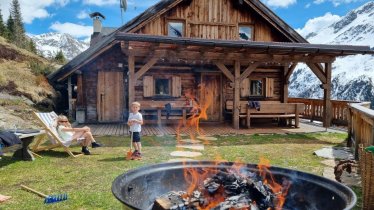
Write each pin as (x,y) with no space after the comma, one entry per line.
(163,6)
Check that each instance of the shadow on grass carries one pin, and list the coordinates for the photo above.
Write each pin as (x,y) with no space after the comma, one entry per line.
(56,153)
(7,160)
(112,159)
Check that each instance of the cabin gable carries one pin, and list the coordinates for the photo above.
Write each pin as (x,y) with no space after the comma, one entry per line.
(213,19)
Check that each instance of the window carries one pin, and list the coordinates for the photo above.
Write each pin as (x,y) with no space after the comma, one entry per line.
(256,88)
(162,87)
(245,33)
(175,29)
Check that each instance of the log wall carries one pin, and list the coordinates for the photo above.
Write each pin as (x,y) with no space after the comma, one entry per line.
(106,62)
(213,19)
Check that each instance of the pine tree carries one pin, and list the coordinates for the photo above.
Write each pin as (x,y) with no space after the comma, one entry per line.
(10,28)
(60,58)
(18,28)
(3,29)
(31,46)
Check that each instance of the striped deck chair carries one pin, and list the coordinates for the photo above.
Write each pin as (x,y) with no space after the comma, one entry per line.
(48,120)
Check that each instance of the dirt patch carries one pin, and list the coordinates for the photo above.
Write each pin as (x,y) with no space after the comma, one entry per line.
(10,54)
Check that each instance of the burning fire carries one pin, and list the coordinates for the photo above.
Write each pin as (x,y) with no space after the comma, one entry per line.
(280,190)
(197,178)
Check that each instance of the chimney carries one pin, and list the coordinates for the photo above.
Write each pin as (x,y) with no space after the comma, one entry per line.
(97,26)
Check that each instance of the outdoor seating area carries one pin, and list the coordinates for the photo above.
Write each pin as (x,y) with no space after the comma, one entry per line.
(87,180)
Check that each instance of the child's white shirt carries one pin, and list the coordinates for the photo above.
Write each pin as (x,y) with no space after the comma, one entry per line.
(135,127)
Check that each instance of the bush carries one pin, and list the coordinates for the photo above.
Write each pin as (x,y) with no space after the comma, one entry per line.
(39,68)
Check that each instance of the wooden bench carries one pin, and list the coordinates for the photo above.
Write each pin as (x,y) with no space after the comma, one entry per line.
(269,109)
(155,111)
(23,152)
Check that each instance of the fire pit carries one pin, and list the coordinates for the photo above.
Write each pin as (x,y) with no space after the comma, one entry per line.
(139,188)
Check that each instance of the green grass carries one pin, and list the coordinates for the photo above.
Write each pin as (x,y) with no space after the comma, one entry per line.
(88,179)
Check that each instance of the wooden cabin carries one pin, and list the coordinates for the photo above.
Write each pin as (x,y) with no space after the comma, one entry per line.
(223,53)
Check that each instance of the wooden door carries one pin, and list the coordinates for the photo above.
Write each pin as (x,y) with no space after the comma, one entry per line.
(210,95)
(110,96)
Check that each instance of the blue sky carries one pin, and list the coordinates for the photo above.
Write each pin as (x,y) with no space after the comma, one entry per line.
(71,16)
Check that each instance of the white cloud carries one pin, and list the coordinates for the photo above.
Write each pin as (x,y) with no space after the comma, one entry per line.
(279,3)
(32,9)
(101,2)
(83,14)
(78,31)
(335,2)
(318,23)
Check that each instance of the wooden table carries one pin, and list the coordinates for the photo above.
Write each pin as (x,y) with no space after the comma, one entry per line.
(24,153)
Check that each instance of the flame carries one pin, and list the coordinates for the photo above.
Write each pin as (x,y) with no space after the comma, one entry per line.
(280,190)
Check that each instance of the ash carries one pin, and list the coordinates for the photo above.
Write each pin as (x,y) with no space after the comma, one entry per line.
(223,191)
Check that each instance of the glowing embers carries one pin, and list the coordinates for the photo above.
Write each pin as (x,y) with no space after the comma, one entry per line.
(226,188)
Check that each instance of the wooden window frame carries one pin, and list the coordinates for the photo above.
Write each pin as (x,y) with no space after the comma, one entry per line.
(251,25)
(183,21)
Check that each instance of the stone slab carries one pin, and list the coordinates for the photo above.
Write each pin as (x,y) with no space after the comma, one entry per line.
(180,159)
(335,153)
(185,154)
(191,146)
(207,138)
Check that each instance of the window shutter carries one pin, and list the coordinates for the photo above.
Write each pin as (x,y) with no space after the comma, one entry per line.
(176,89)
(148,86)
(269,87)
(244,88)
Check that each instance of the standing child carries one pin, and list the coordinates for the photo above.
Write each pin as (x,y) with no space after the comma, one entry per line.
(135,121)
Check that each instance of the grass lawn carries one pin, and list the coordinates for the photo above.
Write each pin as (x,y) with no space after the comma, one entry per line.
(88,179)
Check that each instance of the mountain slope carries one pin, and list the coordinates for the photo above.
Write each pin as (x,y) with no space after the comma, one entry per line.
(352,76)
(49,44)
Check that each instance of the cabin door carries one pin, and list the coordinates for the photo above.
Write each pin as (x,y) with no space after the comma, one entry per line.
(210,95)
(110,96)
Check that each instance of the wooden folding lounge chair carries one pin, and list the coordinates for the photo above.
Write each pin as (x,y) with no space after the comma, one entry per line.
(48,121)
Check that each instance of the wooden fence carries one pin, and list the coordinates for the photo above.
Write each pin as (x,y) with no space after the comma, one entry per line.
(360,136)
(314,110)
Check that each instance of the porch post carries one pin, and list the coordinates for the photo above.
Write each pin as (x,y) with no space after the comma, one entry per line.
(131,61)
(70,96)
(327,97)
(236,107)
(284,98)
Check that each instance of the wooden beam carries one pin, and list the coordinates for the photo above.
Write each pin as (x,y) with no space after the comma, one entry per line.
(236,96)
(284,97)
(146,67)
(251,68)
(321,76)
(327,97)
(131,62)
(80,98)
(70,97)
(289,72)
(225,71)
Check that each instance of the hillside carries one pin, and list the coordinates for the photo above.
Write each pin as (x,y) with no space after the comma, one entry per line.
(22,86)
(352,76)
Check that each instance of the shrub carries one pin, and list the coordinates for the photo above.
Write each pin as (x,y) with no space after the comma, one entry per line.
(38,68)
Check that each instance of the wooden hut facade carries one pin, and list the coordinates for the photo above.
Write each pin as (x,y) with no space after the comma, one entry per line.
(223,53)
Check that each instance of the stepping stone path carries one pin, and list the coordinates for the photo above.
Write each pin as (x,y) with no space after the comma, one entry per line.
(207,138)
(180,159)
(185,154)
(191,144)
(190,141)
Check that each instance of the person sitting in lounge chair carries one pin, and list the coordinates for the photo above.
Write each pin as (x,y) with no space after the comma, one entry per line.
(81,135)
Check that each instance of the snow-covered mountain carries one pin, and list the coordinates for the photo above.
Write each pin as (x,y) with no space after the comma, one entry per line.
(49,44)
(352,76)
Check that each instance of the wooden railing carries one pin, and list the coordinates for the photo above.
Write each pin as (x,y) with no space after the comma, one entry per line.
(314,110)
(360,136)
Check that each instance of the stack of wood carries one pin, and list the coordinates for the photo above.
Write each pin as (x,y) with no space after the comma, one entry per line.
(231,190)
